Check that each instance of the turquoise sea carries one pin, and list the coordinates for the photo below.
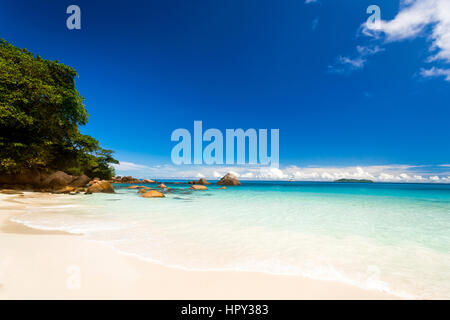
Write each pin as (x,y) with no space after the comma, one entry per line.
(389,237)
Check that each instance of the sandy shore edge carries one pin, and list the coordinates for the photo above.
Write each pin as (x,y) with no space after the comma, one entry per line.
(41,264)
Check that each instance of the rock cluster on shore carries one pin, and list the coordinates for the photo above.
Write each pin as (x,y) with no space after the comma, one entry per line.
(35,180)
(100,186)
(61,182)
(130,179)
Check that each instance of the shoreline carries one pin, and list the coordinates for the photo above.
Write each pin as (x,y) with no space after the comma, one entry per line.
(47,264)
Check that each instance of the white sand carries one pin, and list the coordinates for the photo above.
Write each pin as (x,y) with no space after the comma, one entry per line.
(37,264)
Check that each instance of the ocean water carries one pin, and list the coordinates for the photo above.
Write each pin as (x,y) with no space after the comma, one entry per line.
(389,237)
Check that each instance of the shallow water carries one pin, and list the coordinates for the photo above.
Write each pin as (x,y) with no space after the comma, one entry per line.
(389,237)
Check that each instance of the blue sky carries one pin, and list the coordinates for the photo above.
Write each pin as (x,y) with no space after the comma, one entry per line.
(345,97)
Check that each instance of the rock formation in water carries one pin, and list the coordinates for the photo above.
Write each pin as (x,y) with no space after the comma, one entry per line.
(198,187)
(229,180)
(101,186)
(153,194)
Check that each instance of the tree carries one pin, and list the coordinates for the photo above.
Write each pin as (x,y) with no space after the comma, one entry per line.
(40,115)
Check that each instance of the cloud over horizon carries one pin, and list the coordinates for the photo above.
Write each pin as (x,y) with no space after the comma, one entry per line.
(387,173)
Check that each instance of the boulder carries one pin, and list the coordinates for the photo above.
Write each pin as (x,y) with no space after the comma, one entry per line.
(127,179)
(202,181)
(66,189)
(57,180)
(153,194)
(198,187)
(40,180)
(133,187)
(162,186)
(144,190)
(229,180)
(148,181)
(100,187)
(80,181)
(31,177)
(9,191)
(223,188)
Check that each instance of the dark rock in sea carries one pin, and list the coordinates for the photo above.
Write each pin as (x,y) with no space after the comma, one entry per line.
(201,181)
(229,180)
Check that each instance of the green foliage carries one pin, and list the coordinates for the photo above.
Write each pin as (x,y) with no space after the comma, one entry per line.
(40,112)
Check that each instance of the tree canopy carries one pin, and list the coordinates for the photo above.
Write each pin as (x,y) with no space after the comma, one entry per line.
(40,115)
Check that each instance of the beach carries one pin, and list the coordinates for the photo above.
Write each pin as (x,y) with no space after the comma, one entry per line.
(49,264)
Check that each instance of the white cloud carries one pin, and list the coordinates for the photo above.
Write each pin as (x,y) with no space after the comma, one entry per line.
(271,174)
(128,166)
(234,173)
(347,64)
(311,1)
(412,21)
(387,177)
(368,51)
(420,18)
(388,173)
(435,72)
(248,175)
(394,173)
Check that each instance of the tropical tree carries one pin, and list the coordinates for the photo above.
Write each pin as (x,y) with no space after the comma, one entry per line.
(40,115)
